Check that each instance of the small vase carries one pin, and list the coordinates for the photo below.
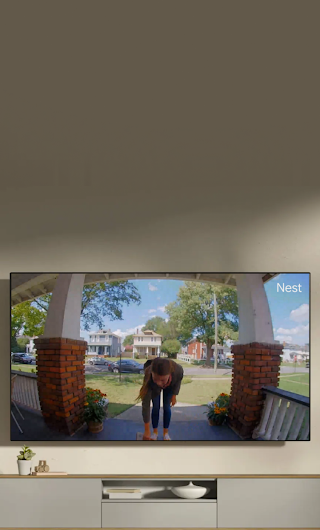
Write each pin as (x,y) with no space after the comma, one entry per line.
(95,426)
(25,467)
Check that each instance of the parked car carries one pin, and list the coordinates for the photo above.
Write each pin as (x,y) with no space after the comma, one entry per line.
(99,360)
(23,358)
(127,365)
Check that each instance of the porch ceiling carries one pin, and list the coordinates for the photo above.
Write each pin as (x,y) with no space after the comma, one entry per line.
(28,286)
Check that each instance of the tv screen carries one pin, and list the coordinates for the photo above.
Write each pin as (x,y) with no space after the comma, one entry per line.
(160,357)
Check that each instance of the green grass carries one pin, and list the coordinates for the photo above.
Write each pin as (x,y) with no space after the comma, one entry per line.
(200,392)
(297,383)
(24,367)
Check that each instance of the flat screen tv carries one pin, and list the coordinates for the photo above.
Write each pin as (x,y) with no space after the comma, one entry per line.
(160,357)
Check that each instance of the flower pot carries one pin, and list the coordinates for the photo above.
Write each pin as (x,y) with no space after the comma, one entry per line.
(25,467)
(95,426)
(215,423)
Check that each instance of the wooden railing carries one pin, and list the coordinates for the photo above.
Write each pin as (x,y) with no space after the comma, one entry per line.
(285,416)
(25,390)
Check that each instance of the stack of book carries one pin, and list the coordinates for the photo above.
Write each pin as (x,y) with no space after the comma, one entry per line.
(121,493)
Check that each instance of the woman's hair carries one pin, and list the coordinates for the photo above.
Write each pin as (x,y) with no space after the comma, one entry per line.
(159,366)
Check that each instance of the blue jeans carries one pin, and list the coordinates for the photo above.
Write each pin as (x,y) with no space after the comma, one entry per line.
(167,395)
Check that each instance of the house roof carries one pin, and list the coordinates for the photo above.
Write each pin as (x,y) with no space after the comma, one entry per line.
(147,333)
(103,332)
(28,286)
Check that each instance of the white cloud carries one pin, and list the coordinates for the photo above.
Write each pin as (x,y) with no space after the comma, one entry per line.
(152,287)
(152,311)
(298,330)
(284,338)
(166,319)
(301,314)
(159,298)
(162,308)
(129,331)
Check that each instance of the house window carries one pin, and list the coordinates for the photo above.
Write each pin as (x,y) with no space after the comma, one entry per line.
(151,339)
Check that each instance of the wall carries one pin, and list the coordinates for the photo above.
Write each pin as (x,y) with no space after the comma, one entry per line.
(223,114)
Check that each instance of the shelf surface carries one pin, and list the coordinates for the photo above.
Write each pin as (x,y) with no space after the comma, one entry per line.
(201,501)
(159,477)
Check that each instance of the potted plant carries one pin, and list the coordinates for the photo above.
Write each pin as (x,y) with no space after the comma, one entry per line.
(95,409)
(25,460)
(218,410)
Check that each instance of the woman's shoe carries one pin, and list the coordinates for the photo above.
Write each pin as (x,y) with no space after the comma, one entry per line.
(166,437)
(154,436)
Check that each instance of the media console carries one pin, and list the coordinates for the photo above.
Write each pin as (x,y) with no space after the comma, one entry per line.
(231,502)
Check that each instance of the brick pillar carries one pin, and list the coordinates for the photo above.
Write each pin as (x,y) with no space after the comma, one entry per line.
(254,366)
(61,382)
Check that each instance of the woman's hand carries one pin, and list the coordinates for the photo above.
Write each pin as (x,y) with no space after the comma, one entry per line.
(173,401)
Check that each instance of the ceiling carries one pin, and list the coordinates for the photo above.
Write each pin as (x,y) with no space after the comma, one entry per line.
(28,286)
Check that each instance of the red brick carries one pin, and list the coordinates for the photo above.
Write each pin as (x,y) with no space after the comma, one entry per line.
(255,369)
(62,414)
(71,368)
(265,380)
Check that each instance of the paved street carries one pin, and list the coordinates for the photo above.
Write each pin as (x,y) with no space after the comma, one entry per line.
(198,371)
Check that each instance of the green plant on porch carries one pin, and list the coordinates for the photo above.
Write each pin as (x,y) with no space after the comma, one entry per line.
(95,406)
(218,410)
(26,453)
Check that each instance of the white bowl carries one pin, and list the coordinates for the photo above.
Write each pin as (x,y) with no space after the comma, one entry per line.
(189,492)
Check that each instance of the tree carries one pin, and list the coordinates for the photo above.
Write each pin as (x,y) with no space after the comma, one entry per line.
(166,329)
(171,347)
(193,313)
(28,318)
(128,341)
(154,324)
(98,301)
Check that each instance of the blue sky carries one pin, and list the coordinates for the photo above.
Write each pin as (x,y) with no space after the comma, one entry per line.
(289,310)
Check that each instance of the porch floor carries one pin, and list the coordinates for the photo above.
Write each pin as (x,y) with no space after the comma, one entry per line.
(116,429)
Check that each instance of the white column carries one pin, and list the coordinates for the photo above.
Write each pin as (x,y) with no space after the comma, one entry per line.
(63,319)
(158,351)
(255,323)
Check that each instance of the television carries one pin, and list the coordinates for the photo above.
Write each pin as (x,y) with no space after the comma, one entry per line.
(160,357)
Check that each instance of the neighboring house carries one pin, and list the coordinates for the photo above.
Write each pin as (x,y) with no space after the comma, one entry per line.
(104,342)
(147,343)
(289,355)
(198,350)
(30,347)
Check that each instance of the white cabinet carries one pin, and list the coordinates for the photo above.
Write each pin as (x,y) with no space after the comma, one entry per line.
(159,514)
(50,503)
(268,503)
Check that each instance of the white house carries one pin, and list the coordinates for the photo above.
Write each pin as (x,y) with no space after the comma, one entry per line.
(147,343)
(289,355)
(104,342)
(30,347)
